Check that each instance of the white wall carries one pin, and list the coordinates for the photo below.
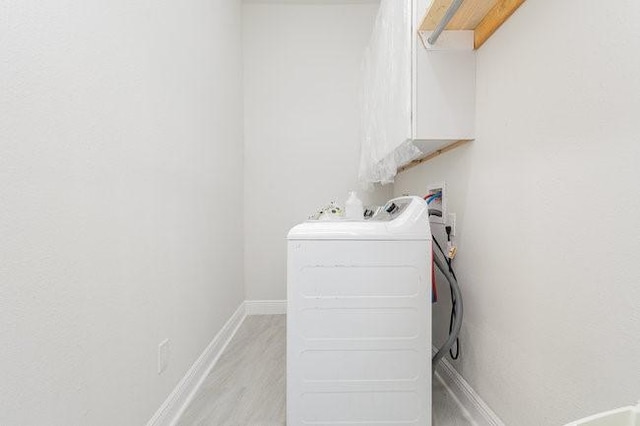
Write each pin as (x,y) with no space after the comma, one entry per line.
(121,177)
(301,75)
(549,214)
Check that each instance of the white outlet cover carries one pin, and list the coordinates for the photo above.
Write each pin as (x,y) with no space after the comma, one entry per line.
(451,221)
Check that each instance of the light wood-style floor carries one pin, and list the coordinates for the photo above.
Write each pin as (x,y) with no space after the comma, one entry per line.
(247,385)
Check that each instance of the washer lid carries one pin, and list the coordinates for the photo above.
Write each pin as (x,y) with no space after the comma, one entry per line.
(403,218)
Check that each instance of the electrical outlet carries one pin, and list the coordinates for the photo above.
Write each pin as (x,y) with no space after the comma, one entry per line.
(163,356)
(440,203)
(451,221)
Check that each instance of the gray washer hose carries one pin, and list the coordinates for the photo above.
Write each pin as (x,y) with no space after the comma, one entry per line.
(459,309)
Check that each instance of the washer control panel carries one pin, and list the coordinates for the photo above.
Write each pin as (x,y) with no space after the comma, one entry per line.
(391,210)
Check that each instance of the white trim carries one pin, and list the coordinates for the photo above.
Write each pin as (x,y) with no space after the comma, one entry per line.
(266,307)
(175,404)
(466,396)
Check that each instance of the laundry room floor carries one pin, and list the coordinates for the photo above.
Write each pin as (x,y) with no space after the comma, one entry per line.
(247,385)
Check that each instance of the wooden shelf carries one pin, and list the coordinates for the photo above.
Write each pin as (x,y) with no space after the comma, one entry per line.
(484,17)
(429,155)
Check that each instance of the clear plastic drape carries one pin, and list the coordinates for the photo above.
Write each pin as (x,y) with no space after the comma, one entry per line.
(386,95)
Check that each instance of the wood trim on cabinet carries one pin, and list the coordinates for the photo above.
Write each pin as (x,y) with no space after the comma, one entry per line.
(433,154)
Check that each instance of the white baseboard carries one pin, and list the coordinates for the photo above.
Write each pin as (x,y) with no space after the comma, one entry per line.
(266,307)
(175,404)
(466,396)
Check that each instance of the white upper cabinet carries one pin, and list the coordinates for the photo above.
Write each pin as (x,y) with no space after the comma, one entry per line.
(417,98)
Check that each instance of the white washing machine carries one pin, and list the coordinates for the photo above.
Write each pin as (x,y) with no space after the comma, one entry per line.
(359,319)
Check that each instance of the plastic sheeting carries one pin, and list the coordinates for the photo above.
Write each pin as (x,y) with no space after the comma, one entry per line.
(386,98)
